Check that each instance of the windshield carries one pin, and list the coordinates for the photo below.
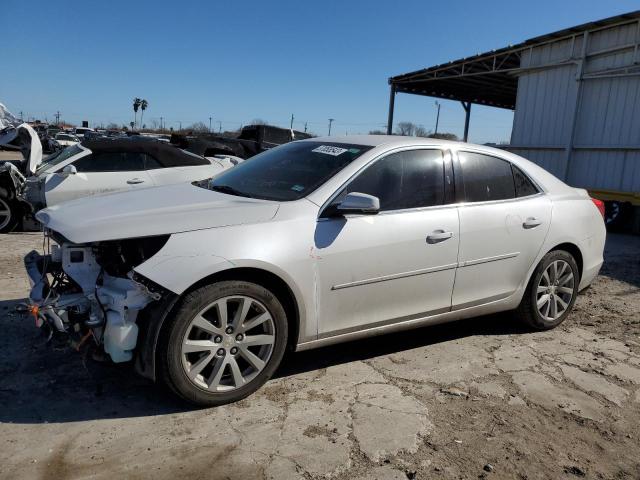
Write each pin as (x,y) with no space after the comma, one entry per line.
(58,157)
(288,172)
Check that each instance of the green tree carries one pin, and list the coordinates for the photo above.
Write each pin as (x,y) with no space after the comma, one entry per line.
(136,105)
(143,106)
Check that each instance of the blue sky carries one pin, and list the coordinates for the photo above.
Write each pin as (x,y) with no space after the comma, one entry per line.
(237,61)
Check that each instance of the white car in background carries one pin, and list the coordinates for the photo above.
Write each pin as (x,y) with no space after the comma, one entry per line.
(311,243)
(80,131)
(93,167)
(65,139)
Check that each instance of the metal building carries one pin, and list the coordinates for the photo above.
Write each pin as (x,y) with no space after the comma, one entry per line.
(576,96)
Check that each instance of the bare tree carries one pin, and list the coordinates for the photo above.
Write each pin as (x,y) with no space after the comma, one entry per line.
(258,121)
(405,129)
(420,131)
(377,132)
(444,136)
(198,127)
(113,126)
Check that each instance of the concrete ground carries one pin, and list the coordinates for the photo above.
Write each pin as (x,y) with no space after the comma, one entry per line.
(10,155)
(482,398)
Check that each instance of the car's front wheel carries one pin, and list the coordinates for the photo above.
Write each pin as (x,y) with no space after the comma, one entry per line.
(8,215)
(551,292)
(224,342)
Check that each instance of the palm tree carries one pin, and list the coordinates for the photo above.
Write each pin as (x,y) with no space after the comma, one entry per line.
(136,106)
(143,106)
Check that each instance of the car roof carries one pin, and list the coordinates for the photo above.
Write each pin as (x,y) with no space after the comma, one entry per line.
(378,140)
(167,154)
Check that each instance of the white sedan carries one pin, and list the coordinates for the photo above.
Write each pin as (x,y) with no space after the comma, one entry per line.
(65,139)
(312,243)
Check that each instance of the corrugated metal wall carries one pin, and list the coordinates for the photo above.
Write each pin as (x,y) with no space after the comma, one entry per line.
(578,109)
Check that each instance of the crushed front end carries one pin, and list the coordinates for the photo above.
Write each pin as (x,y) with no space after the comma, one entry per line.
(90,293)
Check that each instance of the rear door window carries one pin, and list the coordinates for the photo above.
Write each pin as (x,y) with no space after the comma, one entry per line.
(484,178)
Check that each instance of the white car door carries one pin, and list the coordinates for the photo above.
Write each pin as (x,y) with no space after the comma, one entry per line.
(98,173)
(504,220)
(397,264)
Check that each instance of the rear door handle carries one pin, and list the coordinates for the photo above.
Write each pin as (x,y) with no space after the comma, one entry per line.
(135,181)
(531,222)
(438,236)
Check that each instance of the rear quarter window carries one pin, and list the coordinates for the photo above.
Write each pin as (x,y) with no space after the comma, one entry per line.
(524,186)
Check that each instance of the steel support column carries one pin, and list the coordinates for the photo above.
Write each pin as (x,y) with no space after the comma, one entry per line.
(467,114)
(392,99)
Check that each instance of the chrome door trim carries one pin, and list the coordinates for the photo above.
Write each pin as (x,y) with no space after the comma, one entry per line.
(495,258)
(423,271)
(395,276)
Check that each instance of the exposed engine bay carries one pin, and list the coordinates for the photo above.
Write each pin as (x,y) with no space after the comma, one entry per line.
(89,293)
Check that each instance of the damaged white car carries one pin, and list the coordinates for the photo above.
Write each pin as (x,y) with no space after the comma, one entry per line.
(93,167)
(205,285)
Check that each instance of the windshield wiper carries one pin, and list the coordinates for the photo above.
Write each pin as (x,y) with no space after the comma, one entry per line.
(229,190)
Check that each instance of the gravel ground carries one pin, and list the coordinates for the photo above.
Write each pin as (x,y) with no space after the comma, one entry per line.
(481,398)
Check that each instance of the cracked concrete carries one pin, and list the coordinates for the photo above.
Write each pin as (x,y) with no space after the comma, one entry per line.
(437,402)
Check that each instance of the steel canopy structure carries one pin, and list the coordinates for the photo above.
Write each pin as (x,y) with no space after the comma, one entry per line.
(491,78)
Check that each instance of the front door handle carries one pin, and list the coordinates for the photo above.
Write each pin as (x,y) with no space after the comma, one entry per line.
(438,236)
(135,181)
(531,222)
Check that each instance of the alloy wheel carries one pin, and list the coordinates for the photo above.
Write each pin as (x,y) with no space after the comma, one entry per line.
(5,214)
(555,290)
(228,343)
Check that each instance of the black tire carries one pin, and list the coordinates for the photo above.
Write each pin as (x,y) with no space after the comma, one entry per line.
(527,311)
(169,353)
(8,224)
(618,216)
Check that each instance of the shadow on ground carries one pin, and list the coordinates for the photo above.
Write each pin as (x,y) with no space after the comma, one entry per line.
(42,383)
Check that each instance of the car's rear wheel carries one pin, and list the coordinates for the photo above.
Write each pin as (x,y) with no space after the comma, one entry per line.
(551,292)
(224,342)
(8,215)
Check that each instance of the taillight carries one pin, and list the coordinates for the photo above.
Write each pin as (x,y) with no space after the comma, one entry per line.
(600,205)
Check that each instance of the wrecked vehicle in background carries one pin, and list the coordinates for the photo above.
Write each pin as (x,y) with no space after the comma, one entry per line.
(253,139)
(93,167)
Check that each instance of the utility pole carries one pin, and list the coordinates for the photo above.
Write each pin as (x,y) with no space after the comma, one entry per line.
(58,117)
(330,122)
(21,117)
(209,124)
(219,126)
(291,127)
(161,118)
(180,122)
(305,127)
(437,116)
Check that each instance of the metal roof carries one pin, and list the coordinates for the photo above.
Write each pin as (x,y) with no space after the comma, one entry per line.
(488,78)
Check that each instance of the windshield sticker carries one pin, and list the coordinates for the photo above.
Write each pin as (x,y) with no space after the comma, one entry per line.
(329,150)
(297,188)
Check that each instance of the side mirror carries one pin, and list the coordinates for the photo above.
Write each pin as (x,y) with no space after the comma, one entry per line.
(69,170)
(362,203)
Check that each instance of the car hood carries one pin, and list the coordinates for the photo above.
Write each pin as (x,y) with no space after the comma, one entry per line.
(152,211)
